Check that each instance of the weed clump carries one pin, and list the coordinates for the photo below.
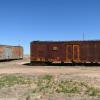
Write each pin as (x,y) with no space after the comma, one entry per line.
(92,91)
(48,85)
(10,80)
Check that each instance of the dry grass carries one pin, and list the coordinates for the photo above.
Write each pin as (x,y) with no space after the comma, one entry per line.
(48,85)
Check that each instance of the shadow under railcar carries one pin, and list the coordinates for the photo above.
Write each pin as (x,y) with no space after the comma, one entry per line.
(8,60)
(61,64)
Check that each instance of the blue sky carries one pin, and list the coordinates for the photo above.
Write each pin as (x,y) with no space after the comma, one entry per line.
(22,21)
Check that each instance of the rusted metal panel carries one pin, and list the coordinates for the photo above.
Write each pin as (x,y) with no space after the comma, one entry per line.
(69,53)
(39,52)
(66,51)
(55,54)
(10,52)
(76,53)
(7,53)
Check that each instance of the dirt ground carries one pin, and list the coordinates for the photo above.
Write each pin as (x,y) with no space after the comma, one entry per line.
(87,74)
(21,67)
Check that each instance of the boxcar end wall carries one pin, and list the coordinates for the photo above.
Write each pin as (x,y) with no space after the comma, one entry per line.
(67,51)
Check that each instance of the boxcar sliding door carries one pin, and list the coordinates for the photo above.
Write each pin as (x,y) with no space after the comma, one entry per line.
(76,55)
(72,53)
(7,53)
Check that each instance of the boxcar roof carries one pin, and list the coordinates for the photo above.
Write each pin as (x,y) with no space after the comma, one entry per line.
(65,41)
(10,45)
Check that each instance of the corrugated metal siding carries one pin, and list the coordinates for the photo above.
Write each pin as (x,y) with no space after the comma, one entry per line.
(78,51)
(7,53)
(11,52)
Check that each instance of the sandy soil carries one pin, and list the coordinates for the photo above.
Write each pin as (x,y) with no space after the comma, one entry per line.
(18,66)
(76,72)
(80,73)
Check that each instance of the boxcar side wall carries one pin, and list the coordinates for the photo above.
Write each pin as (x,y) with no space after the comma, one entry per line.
(21,52)
(56,52)
(6,52)
(38,52)
(90,52)
(17,52)
(79,51)
(11,52)
(2,55)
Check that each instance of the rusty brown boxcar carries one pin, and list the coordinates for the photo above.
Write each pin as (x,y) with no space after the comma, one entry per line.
(10,52)
(65,51)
